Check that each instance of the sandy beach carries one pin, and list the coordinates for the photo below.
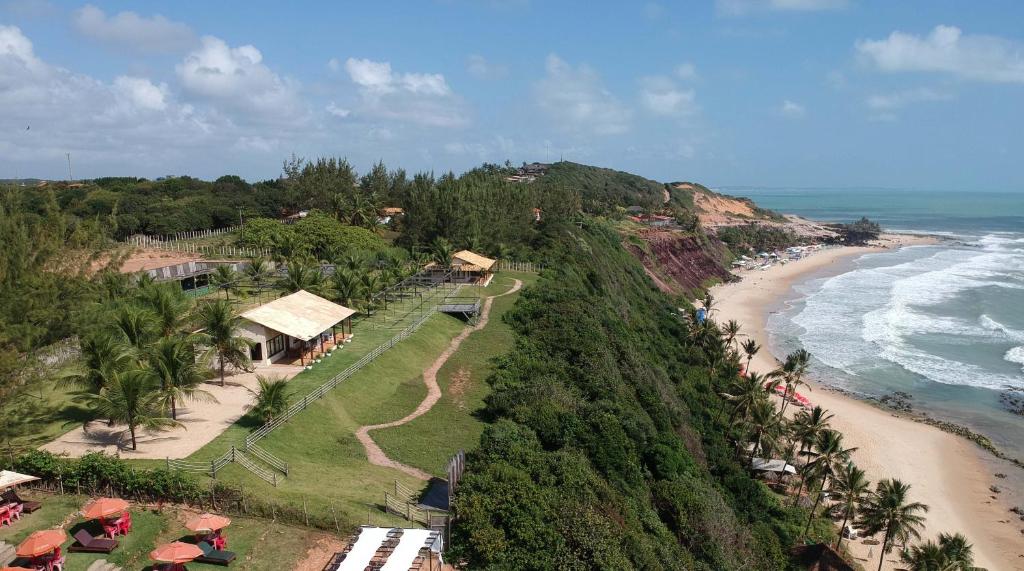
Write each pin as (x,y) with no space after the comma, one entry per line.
(948,473)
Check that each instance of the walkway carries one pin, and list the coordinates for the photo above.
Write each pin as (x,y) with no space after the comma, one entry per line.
(374,453)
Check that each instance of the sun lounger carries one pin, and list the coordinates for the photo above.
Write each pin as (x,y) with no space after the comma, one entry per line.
(214,556)
(86,543)
(26,507)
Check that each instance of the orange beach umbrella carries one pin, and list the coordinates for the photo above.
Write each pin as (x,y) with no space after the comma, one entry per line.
(104,507)
(177,552)
(207,522)
(41,542)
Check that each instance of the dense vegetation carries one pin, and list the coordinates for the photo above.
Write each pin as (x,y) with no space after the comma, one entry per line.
(608,448)
(754,238)
(602,190)
(859,232)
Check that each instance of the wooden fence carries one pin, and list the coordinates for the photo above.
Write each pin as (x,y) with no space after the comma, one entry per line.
(514,266)
(185,247)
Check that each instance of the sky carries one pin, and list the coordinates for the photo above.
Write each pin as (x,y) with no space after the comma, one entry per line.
(811,93)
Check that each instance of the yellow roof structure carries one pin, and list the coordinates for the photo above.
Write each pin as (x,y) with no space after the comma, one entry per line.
(8,479)
(469,259)
(301,315)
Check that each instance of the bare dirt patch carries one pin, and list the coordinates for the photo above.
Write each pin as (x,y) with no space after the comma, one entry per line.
(457,387)
(320,553)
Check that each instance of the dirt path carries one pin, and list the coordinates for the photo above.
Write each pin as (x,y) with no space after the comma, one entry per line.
(374,453)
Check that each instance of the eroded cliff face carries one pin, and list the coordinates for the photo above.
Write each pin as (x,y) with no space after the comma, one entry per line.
(680,263)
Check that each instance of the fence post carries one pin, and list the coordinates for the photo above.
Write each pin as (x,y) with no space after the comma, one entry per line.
(304,512)
(335,514)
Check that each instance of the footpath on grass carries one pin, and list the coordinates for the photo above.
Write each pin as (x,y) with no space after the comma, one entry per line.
(374,453)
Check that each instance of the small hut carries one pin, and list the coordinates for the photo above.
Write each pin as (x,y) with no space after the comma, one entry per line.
(296,326)
(471,267)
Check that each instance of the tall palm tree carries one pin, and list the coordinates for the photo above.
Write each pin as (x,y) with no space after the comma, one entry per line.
(731,331)
(130,398)
(791,374)
(221,334)
(102,355)
(831,457)
(259,273)
(301,277)
(764,423)
(849,488)
(958,550)
(271,399)
(808,424)
(889,509)
(138,326)
(225,278)
(173,363)
(744,393)
(171,307)
(346,285)
(750,347)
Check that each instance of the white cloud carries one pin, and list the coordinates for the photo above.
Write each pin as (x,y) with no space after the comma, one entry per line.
(686,71)
(339,112)
(237,77)
(421,98)
(792,110)
(479,67)
(130,120)
(661,96)
(578,101)
(141,92)
(744,7)
(901,99)
(948,50)
(377,76)
(334,64)
(129,29)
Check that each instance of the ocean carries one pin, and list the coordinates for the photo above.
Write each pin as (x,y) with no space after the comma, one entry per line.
(942,323)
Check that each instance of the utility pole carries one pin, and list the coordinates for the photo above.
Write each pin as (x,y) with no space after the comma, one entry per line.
(240,223)
(70,177)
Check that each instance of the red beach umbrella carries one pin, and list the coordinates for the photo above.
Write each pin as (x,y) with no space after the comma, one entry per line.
(41,542)
(177,552)
(104,507)
(207,522)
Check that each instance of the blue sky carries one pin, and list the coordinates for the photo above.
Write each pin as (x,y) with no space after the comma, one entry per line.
(729,92)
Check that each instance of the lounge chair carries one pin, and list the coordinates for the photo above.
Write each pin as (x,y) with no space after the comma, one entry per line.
(26,507)
(214,556)
(86,543)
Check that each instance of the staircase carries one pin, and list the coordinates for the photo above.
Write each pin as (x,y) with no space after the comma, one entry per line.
(6,554)
(102,565)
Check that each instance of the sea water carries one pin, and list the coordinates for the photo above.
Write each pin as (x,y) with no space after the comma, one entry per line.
(943,323)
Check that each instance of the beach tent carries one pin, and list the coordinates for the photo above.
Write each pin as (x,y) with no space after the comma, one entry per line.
(702,314)
(10,479)
(768,465)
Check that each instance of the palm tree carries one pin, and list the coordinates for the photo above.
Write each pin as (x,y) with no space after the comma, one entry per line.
(301,277)
(271,399)
(744,393)
(888,509)
(808,424)
(731,331)
(347,286)
(831,456)
(750,347)
(171,307)
(370,285)
(259,273)
(353,261)
(708,302)
(130,398)
(225,278)
(849,488)
(137,326)
(173,363)
(959,551)
(441,251)
(951,553)
(791,374)
(102,355)
(764,423)
(221,334)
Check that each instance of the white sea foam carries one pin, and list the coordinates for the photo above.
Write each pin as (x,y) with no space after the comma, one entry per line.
(1016,355)
(856,318)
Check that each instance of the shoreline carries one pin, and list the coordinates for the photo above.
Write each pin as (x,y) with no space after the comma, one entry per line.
(951,473)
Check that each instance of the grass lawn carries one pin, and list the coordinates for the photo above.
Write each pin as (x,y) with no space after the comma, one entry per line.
(452,425)
(329,469)
(259,544)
